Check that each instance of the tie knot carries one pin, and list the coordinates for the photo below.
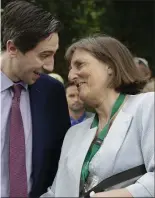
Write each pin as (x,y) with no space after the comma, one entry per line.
(17,90)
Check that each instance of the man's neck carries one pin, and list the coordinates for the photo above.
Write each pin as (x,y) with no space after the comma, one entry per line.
(6,67)
(76,114)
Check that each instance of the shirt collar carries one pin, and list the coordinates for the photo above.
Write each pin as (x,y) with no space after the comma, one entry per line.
(73,121)
(6,82)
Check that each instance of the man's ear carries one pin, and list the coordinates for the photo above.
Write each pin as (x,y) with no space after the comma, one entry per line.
(110,71)
(11,48)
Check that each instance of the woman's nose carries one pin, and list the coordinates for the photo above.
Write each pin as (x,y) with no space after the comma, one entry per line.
(72,75)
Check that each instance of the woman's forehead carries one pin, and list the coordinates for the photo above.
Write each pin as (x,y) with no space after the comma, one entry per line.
(80,55)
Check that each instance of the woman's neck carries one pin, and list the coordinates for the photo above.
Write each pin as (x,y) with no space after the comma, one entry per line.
(105,106)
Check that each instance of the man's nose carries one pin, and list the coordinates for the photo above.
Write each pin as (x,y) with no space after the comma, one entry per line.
(76,99)
(48,67)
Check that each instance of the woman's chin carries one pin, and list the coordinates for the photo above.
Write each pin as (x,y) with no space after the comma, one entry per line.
(85,98)
(88,100)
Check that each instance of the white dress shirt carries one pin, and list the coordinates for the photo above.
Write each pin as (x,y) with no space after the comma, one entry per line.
(6,102)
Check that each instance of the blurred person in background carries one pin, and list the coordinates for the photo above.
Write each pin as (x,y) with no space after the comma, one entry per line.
(143,67)
(76,106)
(34,109)
(120,137)
(150,86)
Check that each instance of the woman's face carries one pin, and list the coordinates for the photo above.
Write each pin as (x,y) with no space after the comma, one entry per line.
(90,75)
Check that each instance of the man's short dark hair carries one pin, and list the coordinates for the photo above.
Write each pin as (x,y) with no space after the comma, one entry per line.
(26,24)
(69,84)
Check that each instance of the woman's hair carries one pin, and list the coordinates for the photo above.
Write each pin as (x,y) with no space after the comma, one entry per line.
(126,77)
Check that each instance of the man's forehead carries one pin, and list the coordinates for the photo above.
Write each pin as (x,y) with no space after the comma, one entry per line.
(73,89)
(48,44)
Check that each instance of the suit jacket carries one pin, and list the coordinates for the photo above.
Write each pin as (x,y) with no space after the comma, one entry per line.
(129,143)
(50,122)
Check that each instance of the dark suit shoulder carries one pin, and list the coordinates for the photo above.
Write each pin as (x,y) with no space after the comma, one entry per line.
(50,80)
(47,83)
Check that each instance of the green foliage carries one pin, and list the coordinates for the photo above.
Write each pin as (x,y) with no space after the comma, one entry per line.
(126,20)
(87,17)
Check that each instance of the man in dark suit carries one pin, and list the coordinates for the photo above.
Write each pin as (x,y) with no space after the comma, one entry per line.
(34,109)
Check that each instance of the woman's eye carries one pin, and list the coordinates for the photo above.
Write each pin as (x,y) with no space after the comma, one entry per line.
(80,65)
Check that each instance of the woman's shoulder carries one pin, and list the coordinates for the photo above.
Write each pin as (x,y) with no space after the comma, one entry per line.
(142,97)
(138,101)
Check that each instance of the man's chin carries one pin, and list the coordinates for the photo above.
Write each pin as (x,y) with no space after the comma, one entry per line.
(78,109)
(30,82)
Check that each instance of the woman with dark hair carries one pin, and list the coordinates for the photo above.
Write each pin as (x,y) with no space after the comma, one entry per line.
(119,137)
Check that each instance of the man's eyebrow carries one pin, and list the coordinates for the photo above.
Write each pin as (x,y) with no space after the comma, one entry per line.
(47,52)
(71,94)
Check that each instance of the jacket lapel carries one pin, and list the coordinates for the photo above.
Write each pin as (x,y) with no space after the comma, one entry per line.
(112,144)
(75,166)
(81,151)
(36,98)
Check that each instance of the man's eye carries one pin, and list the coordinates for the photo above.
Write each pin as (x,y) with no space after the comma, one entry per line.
(45,55)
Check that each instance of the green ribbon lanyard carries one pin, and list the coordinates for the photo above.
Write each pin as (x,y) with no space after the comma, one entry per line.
(96,145)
